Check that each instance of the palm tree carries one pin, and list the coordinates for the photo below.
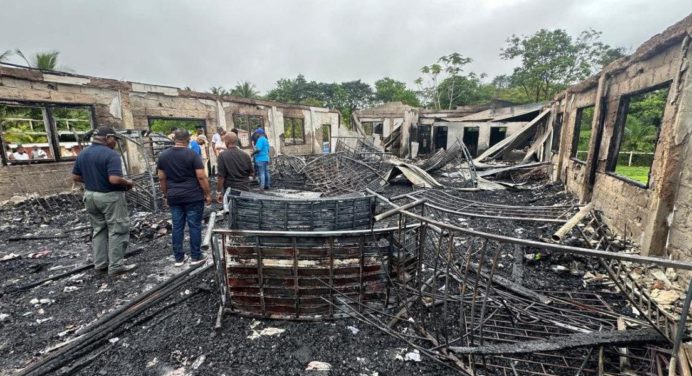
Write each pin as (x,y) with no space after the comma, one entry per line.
(218,90)
(245,90)
(42,60)
(5,55)
(639,136)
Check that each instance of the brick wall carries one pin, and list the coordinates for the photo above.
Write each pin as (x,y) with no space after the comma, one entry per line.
(41,179)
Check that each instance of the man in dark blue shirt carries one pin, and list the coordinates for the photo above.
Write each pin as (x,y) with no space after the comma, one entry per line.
(186,189)
(99,168)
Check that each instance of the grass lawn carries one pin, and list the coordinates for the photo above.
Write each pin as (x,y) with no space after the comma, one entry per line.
(636,173)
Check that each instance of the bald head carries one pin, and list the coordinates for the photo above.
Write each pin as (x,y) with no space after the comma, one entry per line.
(230,139)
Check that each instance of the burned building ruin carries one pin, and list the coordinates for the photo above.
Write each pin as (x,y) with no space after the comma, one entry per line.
(489,240)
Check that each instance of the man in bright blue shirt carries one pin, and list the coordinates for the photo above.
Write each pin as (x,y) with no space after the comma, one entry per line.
(194,145)
(261,154)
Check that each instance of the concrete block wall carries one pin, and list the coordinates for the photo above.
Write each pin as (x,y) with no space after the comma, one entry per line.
(130,105)
(644,214)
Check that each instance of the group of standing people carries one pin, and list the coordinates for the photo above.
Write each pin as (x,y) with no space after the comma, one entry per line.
(183,182)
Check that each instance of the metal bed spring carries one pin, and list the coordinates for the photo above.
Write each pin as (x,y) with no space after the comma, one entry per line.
(251,211)
(469,306)
(445,202)
(288,274)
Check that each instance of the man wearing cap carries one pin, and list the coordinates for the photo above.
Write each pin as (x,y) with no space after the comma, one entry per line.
(185,188)
(99,168)
(261,154)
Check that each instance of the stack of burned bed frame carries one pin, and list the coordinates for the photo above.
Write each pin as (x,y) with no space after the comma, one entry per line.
(302,258)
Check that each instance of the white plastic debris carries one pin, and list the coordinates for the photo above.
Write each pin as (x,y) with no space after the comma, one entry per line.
(412,356)
(559,268)
(70,288)
(353,329)
(198,362)
(114,340)
(265,332)
(41,321)
(33,301)
(4,317)
(318,366)
(152,362)
(9,257)
(41,311)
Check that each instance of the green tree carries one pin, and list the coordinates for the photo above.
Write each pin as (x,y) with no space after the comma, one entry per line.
(391,90)
(447,68)
(218,90)
(551,60)
(468,89)
(43,60)
(245,89)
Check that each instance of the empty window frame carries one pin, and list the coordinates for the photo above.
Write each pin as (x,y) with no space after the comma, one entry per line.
(43,133)
(70,125)
(636,134)
(582,133)
(557,131)
(497,134)
(294,131)
(368,128)
(247,123)
(166,126)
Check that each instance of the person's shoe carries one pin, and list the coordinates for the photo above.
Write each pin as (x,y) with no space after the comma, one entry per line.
(101,270)
(200,261)
(181,262)
(123,269)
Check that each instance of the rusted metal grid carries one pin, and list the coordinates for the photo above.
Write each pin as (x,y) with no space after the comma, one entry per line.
(461,303)
(302,275)
(286,171)
(249,211)
(439,200)
(458,157)
(597,235)
(338,173)
(364,151)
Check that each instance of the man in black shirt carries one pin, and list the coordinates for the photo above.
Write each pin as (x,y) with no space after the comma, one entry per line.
(234,167)
(99,168)
(186,189)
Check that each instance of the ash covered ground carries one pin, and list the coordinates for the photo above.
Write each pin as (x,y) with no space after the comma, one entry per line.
(177,336)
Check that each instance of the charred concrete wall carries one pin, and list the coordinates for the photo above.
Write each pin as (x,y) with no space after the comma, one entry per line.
(655,215)
(132,105)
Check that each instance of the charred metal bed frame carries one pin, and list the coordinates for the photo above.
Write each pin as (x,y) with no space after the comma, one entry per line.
(251,211)
(465,308)
(302,275)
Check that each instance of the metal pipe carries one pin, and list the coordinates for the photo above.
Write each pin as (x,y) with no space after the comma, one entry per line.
(312,233)
(394,211)
(206,241)
(672,369)
(556,247)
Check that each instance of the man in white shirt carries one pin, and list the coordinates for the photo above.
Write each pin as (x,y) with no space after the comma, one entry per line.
(38,153)
(217,141)
(20,154)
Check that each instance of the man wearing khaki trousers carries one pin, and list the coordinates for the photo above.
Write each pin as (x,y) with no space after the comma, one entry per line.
(100,169)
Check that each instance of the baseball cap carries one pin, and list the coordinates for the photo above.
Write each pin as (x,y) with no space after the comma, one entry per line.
(105,131)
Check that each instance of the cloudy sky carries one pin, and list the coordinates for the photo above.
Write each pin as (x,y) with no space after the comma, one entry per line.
(206,43)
